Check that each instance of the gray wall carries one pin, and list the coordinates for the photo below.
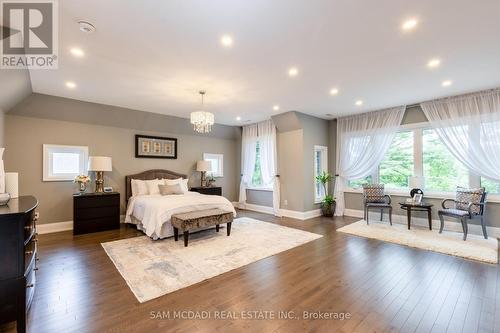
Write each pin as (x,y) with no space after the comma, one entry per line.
(354,200)
(26,135)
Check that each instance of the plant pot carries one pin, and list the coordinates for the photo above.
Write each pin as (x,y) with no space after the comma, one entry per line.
(328,210)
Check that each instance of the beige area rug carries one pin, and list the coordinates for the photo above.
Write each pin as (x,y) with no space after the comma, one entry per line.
(475,247)
(155,268)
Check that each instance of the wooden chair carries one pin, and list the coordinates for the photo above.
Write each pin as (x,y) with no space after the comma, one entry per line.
(375,198)
(468,205)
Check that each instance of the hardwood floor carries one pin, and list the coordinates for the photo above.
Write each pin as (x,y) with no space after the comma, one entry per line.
(384,287)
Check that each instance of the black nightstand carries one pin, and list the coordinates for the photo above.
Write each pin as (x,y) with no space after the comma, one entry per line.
(216,190)
(93,212)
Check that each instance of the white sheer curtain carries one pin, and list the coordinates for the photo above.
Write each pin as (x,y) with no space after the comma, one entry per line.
(362,142)
(469,126)
(248,152)
(268,160)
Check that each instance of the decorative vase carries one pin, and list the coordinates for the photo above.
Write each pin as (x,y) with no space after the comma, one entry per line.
(83,187)
(2,172)
(328,210)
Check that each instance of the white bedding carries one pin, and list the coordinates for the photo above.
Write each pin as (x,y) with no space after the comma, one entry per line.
(152,213)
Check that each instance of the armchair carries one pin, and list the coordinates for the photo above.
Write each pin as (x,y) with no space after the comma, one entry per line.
(468,205)
(375,198)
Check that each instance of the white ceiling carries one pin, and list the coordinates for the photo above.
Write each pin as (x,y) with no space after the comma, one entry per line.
(155,55)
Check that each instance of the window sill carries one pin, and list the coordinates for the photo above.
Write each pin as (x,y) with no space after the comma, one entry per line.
(494,198)
(265,189)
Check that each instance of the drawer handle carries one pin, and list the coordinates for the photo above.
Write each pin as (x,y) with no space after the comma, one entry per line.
(36,268)
(31,285)
(27,227)
(29,252)
(37,259)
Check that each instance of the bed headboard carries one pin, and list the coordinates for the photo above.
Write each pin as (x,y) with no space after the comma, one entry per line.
(148,175)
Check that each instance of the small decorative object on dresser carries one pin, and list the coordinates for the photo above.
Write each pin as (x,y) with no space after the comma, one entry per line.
(18,259)
(99,164)
(93,212)
(215,190)
(82,181)
(12,184)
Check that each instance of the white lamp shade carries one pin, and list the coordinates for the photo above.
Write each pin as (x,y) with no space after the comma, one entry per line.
(100,163)
(416,182)
(204,166)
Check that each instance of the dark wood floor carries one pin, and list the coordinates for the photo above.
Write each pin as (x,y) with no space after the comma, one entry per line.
(385,287)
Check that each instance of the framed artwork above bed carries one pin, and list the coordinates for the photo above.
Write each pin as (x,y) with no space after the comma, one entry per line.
(155,147)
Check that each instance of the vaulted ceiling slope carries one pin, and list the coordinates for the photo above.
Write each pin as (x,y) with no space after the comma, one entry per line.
(155,55)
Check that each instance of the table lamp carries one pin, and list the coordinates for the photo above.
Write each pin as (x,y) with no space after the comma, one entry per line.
(203,166)
(416,183)
(99,164)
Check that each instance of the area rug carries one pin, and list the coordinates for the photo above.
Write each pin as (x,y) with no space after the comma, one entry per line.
(475,247)
(155,268)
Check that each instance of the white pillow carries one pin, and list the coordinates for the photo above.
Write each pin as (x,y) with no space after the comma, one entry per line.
(153,185)
(139,187)
(182,181)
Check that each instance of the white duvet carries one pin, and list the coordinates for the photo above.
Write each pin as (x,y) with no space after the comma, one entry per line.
(152,213)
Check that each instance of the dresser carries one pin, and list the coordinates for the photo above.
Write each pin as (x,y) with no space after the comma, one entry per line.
(215,190)
(93,212)
(18,259)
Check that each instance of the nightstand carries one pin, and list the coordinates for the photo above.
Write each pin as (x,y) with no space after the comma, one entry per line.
(93,212)
(216,190)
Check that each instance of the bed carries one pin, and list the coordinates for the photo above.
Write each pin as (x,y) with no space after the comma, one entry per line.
(151,213)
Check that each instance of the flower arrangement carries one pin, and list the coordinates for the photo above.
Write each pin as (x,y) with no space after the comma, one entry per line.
(81,179)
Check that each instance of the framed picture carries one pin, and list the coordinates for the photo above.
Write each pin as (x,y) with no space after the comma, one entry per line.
(155,147)
(418,198)
(217,161)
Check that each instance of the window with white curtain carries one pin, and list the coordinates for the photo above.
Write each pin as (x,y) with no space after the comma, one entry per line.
(320,166)
(64,163)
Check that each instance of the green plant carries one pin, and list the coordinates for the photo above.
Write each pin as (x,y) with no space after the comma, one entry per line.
(324,179)
(329,200)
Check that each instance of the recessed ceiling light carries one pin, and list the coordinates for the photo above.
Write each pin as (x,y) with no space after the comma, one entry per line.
(434,63)
(77,52)
(71,84)
(226,41)
(238,118)
(446,83)
(334,91)
(359,103)
(293,71)
(276,107)
(86,27)
(409,24)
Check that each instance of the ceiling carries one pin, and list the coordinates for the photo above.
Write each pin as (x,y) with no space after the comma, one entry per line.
(155,55)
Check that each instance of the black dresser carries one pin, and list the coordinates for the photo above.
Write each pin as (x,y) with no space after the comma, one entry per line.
(215,190)
(93,212)
(18,259)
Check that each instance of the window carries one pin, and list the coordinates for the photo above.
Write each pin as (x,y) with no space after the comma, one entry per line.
(217,161)
(491,186)
(358,183)
(257,173)
(64,163)
(442,171)
(398,164)
(320,166)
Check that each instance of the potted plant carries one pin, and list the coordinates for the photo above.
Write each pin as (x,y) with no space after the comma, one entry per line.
(328,204)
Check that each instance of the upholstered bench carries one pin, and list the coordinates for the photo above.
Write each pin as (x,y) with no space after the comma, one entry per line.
(200,219)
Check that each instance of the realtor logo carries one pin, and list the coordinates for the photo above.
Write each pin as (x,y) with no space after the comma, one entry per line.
(29,36)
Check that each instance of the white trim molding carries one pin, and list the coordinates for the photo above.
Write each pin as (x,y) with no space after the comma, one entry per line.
(284,212)
(423,222)
(49,228)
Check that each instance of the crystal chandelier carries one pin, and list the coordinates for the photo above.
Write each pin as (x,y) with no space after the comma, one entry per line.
(202,120)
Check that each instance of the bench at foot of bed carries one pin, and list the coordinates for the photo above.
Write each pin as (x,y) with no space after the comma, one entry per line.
(200,219)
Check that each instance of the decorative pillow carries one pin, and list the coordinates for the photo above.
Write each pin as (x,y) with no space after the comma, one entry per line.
(139,187)
(153,185)
(182,181)
(374,193)
(171,189)
(469,195)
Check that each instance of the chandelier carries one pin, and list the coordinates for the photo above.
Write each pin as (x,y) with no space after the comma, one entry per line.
(202,120)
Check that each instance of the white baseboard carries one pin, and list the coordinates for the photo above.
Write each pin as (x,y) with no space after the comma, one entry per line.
(284,212)
(423,222)
(49,228)
(54,227)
